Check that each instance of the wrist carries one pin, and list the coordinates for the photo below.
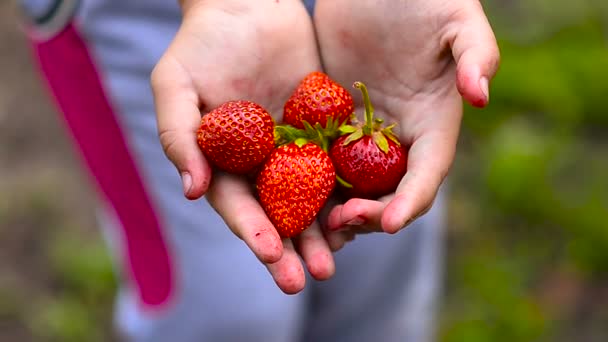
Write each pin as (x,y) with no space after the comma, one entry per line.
(236,6)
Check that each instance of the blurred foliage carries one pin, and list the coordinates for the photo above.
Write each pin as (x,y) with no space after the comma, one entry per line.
(87,280)
(61,283)
(529,234)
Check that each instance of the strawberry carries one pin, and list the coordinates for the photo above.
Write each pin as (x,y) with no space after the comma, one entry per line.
(316,98)
(294,184)
(369,160)
(237,136)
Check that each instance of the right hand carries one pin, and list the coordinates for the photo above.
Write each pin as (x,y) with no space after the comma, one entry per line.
(239,49)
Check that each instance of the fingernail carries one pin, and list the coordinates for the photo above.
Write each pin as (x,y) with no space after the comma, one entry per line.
(357,221)
(485,88)
(186,182)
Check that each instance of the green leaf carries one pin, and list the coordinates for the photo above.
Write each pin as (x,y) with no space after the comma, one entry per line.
(320,131)
(389,128)
(330,122)
(331,129)
(277,138)
(389,134)
(284,134)
(356,135)
(322,139)
(345,129)
(380,141)
(325,145)
(308,127)
(301,142)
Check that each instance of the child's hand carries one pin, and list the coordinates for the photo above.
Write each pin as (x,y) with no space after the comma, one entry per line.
(238,49)
(415,57)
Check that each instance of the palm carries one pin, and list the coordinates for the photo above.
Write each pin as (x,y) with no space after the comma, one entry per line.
(237,53)
(404,52)
(404,72)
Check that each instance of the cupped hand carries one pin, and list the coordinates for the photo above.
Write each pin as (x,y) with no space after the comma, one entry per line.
(229,50)
(418,58)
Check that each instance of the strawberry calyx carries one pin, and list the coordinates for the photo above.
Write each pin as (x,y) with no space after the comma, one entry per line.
(285,134)
(317,134)
(300,142)
(373,127)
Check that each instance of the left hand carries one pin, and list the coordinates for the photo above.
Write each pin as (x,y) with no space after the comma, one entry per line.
(417,58)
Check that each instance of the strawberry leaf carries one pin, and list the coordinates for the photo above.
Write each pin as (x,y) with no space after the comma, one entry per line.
(345,129)
(380,141)
(389,128)
(331,129)
(320,129)
(356,135)
(389,134)
(308,127)
(300,142)
(322,139)
(284,134)
(330,122)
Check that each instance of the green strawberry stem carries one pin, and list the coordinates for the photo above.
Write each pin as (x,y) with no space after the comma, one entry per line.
(372,127)
(369,109)
(343,182)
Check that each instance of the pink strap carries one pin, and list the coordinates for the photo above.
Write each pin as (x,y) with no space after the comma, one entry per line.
(73,81)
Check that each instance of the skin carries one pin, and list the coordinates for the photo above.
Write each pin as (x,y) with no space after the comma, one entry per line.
(240,49)
(235,49)
(418,58)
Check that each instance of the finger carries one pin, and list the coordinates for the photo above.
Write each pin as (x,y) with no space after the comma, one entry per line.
(178,118)
(288,272)
(323,217)
(429,159)
(355,213)
(231,197)
(334,218)
(337,240)
(476,52)
(316,253)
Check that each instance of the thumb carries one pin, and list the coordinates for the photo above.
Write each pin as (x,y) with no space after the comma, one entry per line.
(178,118)
(476,53)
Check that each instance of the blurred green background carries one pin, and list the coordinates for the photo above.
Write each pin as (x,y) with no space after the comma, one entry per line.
(527,255)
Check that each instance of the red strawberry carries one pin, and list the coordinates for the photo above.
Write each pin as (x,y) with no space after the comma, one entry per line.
(317,97)
(370,158)
(237,136)
(294,184)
